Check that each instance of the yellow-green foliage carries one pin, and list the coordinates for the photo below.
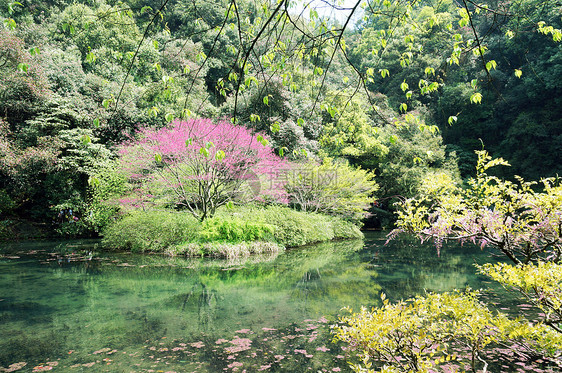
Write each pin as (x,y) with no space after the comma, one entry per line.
(235,230)
(241,229)
(514,218)
(334,188)
(541,284)
(426,332)
(294,228)
(151,231)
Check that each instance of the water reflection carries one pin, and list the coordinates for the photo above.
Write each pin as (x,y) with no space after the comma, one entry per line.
(55,303)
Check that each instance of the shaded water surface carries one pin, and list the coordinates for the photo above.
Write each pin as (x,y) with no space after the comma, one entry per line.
(62,309)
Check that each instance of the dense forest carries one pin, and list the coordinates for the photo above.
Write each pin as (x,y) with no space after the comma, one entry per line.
(405,90)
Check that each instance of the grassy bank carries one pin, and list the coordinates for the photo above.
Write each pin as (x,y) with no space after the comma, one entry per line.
(230,233)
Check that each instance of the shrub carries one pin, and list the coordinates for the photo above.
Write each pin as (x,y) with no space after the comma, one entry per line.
(150,231)
(333,188)
(235,230)
(296,228)
(438,332)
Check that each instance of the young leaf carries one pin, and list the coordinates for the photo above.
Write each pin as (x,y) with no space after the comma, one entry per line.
(476,98)
(97,122)
(219,155)
(491,65)
(22,67)
(145,9)
(274,127)
(429,71)
(255,118)
(452,119)
(518,73)
(10,24)
(158,158)
(85,140)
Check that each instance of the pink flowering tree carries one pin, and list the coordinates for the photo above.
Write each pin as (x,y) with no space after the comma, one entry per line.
(200,165)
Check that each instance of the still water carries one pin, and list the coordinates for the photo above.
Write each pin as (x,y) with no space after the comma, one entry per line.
(65,310)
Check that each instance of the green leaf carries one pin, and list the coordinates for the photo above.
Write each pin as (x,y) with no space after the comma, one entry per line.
(262,140)
(474,83)
(219,155)
(10,24)
(34,51)
(266,100)
(90,58)
(255,118)
(409,94)
(12,5)
(106,102)
(476,98)
(491,65)
(188,142)
(85,140)
(204,151)
(384,72)
(22,67)
(403,107)
(155,44)
(169,117)
(145,9)
(282,150)
(97,122)
(300,122)
(404,86)
(209,145)
(274,128)
(153,111)
(158,158)
(518,73)
(186,113)
(452,119)
(229,205)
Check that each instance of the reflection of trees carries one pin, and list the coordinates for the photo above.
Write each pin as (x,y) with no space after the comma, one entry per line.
(408,268)
(206,301)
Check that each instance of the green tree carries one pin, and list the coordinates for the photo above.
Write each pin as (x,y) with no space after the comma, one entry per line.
(334,188)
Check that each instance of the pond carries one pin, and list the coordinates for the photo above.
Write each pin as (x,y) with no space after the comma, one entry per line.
(64,309)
